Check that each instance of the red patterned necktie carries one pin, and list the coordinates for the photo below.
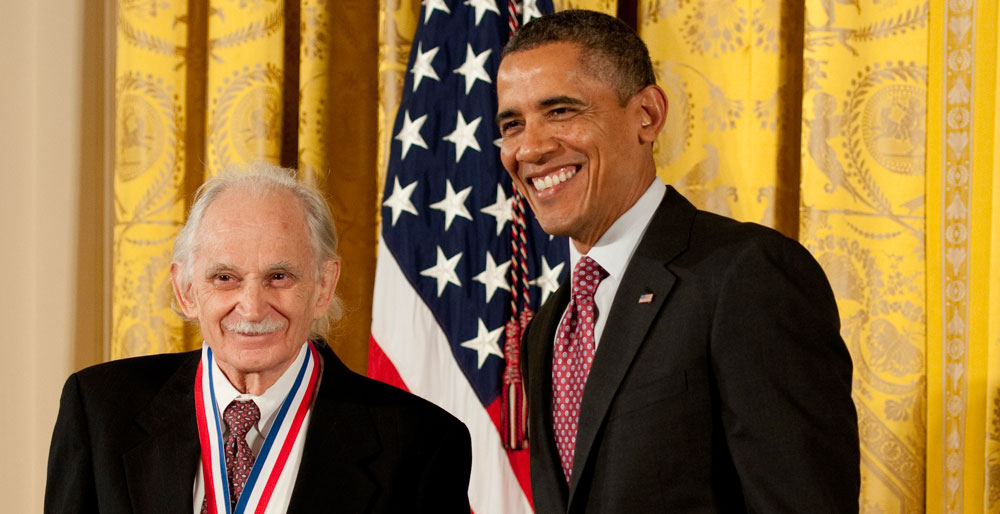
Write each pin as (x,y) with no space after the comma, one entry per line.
(573,355)
(240,417)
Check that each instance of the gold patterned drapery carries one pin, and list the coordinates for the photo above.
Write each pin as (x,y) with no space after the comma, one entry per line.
(200,86)
(963,253)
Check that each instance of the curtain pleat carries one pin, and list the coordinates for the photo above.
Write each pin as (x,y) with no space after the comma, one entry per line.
(963,442)
(150,110)
(246,54)
(314,86)
(731,104)
(862,216)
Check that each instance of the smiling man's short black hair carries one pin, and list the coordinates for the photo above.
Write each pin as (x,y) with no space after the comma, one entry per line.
(611,49)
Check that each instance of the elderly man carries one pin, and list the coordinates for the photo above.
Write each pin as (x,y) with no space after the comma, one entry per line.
(264,416)
(691,363)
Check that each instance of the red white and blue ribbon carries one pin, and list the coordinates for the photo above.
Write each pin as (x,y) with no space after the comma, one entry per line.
(270,462)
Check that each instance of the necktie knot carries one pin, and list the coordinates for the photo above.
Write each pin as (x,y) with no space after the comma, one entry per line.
(240,417)
(587,275)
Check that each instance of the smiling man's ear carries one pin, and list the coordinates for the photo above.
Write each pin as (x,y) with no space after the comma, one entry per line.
(326,286)
(182,292)
(653,105)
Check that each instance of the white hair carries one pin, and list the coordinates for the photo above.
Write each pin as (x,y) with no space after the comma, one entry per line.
(259,179)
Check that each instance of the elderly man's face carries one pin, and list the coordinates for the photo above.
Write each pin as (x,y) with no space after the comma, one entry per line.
(579,156)
(254,289)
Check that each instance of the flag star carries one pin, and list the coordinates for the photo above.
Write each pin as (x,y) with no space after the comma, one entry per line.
(530,11)
(481,7)
(444,271)
(453,204)
(431,5)
(474,67)
(422,65)
(409,135)
(493,277)
(498,142)
(502,210)
(399,200)
(464,136)
(548,280)
(485,343)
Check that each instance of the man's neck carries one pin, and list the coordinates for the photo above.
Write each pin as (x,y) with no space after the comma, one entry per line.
(254,383)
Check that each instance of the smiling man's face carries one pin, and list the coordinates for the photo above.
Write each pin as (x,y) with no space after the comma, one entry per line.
(579,157)
(255,290)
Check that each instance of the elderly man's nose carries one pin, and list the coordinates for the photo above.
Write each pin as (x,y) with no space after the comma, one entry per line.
(252,301)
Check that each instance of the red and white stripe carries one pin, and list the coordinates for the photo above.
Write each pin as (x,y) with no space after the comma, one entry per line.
(409,349)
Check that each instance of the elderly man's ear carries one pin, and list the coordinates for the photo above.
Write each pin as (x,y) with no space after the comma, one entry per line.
(652,109)
(182,293)
(326,286)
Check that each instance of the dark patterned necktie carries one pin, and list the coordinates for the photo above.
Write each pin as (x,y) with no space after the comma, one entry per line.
(240,417)
(572,358)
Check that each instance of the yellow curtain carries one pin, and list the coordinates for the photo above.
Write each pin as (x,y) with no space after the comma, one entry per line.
(963,249)
(725,144)
(863,165)
(227,82)
(150,131)
(604,6)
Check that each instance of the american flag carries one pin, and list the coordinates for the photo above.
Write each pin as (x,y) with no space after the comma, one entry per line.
(442,282)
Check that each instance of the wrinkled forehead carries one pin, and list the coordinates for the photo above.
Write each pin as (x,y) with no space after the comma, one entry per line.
(243,221)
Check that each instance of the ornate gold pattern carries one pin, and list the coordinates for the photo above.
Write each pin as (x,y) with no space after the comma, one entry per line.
(862,217)
(604,6)
(314,83)
(148,180)
(993,455)
(958,130)
(719,145)
(246,117)
(245,76)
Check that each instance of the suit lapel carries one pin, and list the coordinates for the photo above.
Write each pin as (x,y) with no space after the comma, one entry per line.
(629,321)
(340,437)
(543,446)
(160,470)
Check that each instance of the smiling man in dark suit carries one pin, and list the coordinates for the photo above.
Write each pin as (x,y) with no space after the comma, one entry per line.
(264,415)
(691,363)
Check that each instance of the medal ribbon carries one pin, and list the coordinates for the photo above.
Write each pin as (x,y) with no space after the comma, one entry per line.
(268,466)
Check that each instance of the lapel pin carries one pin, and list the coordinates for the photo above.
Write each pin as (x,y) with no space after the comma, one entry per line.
(646,298)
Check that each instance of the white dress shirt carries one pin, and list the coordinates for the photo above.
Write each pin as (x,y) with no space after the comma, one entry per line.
(614,250)
(268,404)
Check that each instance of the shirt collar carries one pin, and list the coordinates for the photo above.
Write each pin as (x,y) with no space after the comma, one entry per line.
(269,401)
(614,249)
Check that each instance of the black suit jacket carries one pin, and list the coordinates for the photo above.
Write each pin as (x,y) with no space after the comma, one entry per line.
(729,392)
(126,441)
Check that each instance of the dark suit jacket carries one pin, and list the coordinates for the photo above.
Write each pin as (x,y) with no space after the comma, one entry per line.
(126,441)
(729,392)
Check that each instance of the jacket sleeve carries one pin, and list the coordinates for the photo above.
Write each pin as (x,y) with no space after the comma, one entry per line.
(443,484)
(784,380)
(69,485)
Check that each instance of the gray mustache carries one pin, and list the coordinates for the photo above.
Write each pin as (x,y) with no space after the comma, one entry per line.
(255,328)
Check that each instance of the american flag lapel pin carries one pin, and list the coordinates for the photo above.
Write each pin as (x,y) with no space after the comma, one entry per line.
(646,298)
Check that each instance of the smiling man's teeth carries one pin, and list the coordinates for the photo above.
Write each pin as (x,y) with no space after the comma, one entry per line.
(548,181)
